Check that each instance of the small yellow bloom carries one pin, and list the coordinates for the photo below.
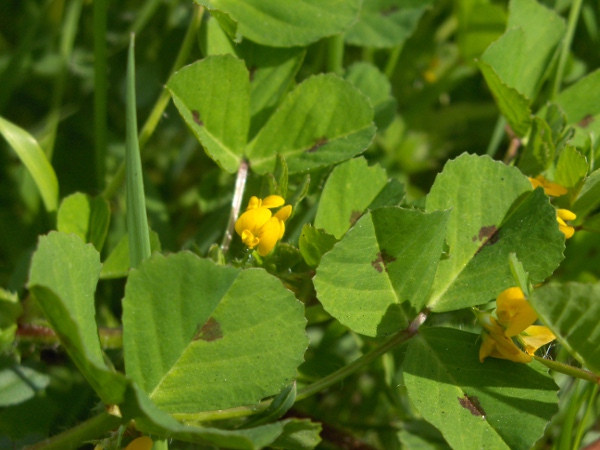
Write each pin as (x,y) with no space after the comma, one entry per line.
(561,216)
(258,227)
(534,337)
(514,312)
(550,188)
(141,443)
(515,316)
(495,343)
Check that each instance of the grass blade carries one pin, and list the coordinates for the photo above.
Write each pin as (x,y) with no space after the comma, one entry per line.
(137,222)
(33,157)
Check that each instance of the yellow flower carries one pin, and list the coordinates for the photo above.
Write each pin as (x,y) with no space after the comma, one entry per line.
(495,343)
(515,318)
(561,216)
(141,443)
(258,227)
(514,312)
(550,188)
(534,337)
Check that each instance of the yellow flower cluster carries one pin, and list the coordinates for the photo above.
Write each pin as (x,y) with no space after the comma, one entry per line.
(259,227)
(515,319)
(562,215)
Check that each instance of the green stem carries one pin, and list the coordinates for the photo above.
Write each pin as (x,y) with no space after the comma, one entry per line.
(335,54)
(100,89)
(396,340)
(590,399)
(331,379)
(569,370)
(236,204)
(110,338)
(564,53)
(74,437)
(496,136)
(68,32)
(161,102)
(393,61)
(161,445)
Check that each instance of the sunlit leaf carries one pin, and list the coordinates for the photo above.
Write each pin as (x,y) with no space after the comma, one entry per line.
(496,404)
(493,213)
(377,278)
(227,337)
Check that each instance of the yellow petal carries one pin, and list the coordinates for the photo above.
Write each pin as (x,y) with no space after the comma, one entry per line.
(514,312)
(552,189)
(488,345)
(252,220)
(565,214)
(273,201)
(254,202)
(141,443)
(535,337)
(270,233)
(249,239)
(284,213)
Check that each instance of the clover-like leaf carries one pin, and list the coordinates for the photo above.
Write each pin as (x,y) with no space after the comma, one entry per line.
(200,337)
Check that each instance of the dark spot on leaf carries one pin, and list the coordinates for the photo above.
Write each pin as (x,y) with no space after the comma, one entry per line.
(472,404)
(389,11)
(354,217)
(251,72)
(487,232)
(583,123)
(382,260)
(210,331)
(196,116)
(318,143)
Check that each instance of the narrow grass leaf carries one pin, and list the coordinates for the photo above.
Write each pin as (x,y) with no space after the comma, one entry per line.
(33,157)
(137,222)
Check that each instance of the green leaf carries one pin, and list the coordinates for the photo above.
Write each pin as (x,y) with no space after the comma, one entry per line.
(479,24)
(287,24)
(348,192)
(375,85)
(19,383)
(137,221)
(571,311)
(214,324)
(494,213)
(538,155)
(117,264)
(314,243)
(520,276)
(392,194)
(376,279)
(34,159)
(513,105)
(522,56)
(213,97)
(278,407)
(582,99)
(589,196)
(150,419)
(571,167)
(386,23)
(272,72)
(496,404)
(63,276)
(214,40)
(85,216)
(324,121)
(10,311)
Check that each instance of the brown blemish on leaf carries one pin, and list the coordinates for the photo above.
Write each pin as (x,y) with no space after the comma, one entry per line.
(210,331)
(251,73)
(382,260)
(472,404)
(354,217)
(389,11)
(583,123)
(318,143)
(487,234)
(196,116)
